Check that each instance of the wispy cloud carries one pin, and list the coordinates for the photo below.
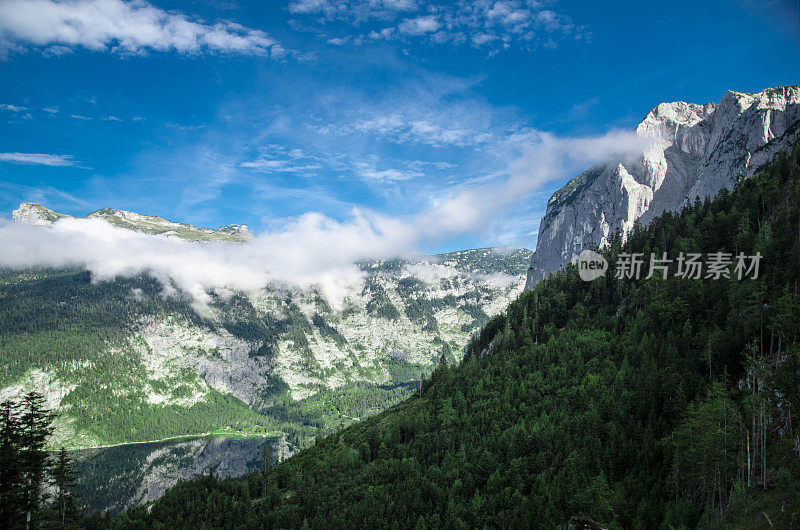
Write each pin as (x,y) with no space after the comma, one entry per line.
(14,193)
(371,173)
(434,112)
(370,169)
(12,108)
(279,159)
(41,159)
(497,24)
(127,27)
(543,158)
(354,11)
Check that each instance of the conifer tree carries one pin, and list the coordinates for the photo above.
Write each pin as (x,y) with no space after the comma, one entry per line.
(10,469)
(66,510)
(35,427)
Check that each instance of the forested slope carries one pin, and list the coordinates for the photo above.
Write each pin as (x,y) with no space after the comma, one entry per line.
(639,403)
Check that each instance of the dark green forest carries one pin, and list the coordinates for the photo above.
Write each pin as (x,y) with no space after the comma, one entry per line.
(649,403)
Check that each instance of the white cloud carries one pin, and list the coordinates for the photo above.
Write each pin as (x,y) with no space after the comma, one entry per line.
(276,158)
(355,11)
(480,23)
(419,25)
(544,158)
(310,250)
(39,159)
(371,174)
(419,122)
(283,166)
(124,27)
(12,108)
(51,110)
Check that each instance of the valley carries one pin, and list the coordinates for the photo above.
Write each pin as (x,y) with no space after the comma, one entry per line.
(122,361)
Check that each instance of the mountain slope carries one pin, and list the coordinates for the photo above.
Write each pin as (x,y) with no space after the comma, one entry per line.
(700,149)
(639,403)
(123,362)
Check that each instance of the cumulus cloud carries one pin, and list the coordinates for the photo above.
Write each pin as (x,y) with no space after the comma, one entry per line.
(419,25)
(41,159)
(312,249)
(124,27)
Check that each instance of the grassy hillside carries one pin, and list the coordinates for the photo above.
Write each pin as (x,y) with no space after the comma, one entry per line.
(639,403)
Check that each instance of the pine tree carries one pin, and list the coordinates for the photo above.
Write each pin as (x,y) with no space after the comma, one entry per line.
(66,509)
(35,427)
(10,469)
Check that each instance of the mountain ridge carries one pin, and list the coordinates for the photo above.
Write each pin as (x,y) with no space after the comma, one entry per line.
(35,214)
(698,149)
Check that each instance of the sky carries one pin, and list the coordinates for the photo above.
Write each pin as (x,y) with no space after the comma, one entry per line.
(432,126)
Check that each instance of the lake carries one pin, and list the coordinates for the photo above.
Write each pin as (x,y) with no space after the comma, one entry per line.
(115,478)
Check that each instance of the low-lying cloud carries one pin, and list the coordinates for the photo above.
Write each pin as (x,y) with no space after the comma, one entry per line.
(312,249)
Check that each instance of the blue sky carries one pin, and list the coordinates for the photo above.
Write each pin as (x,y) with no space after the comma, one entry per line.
(215,112)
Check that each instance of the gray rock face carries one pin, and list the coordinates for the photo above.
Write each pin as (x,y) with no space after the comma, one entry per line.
(697,150)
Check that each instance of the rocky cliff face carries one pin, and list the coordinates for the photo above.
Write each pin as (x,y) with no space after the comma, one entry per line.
(697,150)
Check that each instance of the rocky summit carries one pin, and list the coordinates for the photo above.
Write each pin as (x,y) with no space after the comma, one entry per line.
(695,151)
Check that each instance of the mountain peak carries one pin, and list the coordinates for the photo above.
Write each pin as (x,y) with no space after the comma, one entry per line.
(35,214)
(701,149)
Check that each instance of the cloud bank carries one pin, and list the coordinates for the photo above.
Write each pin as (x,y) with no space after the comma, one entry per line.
(122,27)
(312,249)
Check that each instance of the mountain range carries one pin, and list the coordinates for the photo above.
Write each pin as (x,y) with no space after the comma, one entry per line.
(36,214)
(123,362)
